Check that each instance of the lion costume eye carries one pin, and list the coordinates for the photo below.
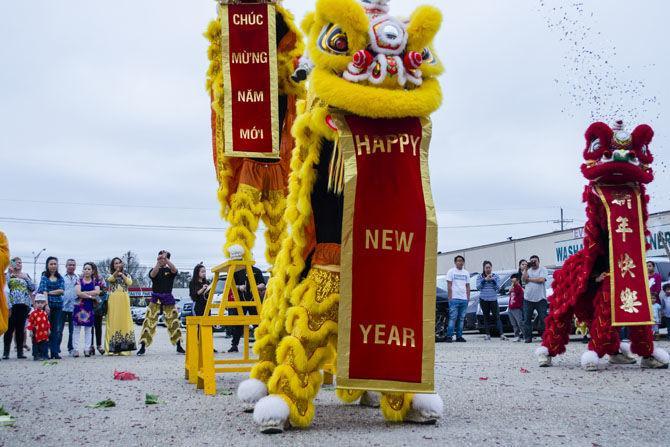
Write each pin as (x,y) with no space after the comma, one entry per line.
(333,40)
(644,149)
(428,57)
(595,145)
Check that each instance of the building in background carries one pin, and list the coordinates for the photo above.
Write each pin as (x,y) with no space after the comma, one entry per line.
(552,248)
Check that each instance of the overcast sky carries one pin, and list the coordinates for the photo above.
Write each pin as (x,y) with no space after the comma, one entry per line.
(104,119)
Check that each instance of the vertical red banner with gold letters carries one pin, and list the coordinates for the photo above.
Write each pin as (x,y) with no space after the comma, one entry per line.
(389,244)
(629,283)
(249,66)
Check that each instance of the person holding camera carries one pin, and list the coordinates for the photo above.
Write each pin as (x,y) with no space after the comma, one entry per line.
(162,282)
(199,289)
(120,333)
(535,296)
(488,284)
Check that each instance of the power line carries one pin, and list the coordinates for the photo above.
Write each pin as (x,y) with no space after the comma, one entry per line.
(71,223)
(504,224)
(187,208)
(107,205)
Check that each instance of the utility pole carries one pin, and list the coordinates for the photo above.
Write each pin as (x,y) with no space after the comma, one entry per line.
(35,258)
(563,221)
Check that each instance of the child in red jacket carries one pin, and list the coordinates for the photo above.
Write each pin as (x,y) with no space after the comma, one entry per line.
(38,324)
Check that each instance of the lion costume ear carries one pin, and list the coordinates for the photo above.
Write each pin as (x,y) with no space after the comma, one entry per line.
(642,136)
(598,138)
(307,22)
(348,14)
(422,28)
(336,22)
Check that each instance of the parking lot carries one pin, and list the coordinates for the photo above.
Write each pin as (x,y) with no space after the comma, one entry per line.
(494,395)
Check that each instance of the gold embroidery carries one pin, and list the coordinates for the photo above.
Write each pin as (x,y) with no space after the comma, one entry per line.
(626,265)
(622,199)
(629,301)
(623,228)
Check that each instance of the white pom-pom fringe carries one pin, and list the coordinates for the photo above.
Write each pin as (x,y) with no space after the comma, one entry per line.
(236,252)
(428,403)
(661,355)
(542,350)
(271,409)
(625,349)
(251,391)
(589,357)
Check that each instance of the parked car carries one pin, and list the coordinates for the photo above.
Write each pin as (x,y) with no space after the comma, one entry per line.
(138,314)
(470,322)
(503,304)
(441,315)
(662,265)
(186,311)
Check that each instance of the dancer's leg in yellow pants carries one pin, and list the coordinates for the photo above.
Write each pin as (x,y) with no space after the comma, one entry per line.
(245,211)
(312,325)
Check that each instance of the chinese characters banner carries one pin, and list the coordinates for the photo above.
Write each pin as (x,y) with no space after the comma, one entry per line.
(389,244)
(249,66)
(629,284)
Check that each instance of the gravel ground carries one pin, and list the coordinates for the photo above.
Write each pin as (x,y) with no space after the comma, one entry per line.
(489,400)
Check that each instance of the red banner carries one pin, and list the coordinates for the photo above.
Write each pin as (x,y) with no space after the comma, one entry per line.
(389,237)
(249,66)
(630,295)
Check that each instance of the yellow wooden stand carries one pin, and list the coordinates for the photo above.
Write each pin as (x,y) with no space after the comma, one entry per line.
(200,365)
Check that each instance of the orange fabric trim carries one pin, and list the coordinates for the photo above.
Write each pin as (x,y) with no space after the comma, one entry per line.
(264,176)
(287,141)
(287,43)
(326,254)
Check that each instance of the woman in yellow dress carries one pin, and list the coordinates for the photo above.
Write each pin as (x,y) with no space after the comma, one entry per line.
(4,263)
(120,331)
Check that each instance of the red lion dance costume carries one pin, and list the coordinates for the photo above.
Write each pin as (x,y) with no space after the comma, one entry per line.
(605,285)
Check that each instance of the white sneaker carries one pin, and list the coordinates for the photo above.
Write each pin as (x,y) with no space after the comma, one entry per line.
(652,363)
(487,337)
(503,338)
(370,399)
(518,340)
(544,361)
(621,359)
(543,357)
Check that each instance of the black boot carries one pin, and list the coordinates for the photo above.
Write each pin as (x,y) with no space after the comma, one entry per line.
(180,350)
(142,349)
(233,349)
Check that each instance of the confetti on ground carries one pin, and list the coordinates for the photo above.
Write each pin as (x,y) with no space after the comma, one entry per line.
(125,375)
(108,403)
(524,371)
(483,378)
(5,418)
(151,399)
(49,363)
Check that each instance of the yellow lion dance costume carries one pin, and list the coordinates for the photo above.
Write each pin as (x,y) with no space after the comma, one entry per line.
(297,337)
(253,189)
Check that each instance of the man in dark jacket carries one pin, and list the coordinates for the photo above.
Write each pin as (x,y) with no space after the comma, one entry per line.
(244,290)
